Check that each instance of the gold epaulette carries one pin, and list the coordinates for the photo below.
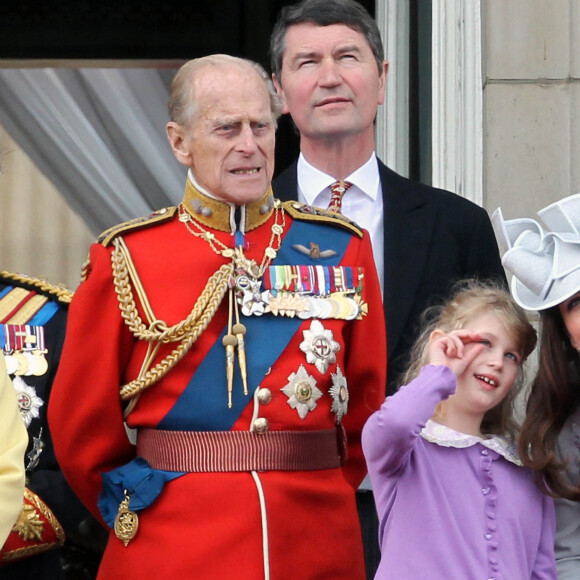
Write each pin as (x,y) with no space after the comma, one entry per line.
(301,211)
(136,224)
(58,292)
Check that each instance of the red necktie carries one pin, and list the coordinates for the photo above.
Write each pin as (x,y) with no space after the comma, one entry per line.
(337,191)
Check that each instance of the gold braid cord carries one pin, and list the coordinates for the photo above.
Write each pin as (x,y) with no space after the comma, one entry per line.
(156,331)
(61,293)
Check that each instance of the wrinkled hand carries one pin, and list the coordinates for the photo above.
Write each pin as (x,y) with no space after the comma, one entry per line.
(449,349)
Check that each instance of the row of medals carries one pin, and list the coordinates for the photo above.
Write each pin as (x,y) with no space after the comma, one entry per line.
(26,362)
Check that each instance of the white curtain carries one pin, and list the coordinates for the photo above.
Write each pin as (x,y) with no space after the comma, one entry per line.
(98,135)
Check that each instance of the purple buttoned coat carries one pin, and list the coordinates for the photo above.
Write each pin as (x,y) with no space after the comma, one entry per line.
(454,508)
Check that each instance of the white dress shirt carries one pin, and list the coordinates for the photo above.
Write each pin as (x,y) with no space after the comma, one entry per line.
(362,203)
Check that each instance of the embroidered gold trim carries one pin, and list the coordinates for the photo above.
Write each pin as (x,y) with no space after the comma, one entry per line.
(218,216)
(47,513)
(136,224)
(301,211)
(28,551)
(29,527)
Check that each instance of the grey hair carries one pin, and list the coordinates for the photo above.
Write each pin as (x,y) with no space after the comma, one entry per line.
(324,13)
(182,103)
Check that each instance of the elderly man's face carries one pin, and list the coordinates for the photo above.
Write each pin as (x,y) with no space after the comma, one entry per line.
(330,82)
(230,143)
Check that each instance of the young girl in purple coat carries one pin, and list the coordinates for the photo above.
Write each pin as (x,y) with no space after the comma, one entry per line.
(453,499)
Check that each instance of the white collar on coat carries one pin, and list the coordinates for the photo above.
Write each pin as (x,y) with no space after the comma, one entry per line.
(447,437)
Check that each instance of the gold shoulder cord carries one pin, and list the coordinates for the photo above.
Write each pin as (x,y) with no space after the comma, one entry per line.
(61,293)
(156,332)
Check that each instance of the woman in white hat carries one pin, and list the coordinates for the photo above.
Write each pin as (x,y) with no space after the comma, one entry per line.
(545,262)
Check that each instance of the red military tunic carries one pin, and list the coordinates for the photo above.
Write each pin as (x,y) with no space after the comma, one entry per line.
(245,525)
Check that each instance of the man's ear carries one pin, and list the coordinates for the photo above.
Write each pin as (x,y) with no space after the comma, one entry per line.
(383,82)
(177,140)
(281,94)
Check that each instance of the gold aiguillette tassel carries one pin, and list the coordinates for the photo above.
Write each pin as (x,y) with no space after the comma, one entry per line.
(126,521)
(240,330)
(230,342)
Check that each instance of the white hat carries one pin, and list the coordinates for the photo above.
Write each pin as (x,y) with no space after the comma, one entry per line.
(544,261)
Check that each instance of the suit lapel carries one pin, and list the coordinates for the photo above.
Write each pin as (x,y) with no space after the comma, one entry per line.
(409,222)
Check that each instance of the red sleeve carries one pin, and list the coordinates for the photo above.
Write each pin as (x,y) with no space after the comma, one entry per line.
(85,413)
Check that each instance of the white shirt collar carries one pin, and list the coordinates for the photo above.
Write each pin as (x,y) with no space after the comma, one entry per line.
(311,181)
(447,437)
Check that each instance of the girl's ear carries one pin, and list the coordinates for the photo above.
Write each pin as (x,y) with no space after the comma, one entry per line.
(437,333)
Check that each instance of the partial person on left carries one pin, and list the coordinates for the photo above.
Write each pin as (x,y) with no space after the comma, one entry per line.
(33,316)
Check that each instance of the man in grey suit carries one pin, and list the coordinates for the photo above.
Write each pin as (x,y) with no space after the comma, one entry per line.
(328,66)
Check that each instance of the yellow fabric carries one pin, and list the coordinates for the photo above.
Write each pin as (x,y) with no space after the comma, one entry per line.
(13,440)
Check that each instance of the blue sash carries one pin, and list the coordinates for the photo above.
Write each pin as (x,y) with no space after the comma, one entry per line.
(203,404)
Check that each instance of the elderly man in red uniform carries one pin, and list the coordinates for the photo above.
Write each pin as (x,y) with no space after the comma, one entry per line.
(241,341)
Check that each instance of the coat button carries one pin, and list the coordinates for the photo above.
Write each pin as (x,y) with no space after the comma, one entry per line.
(261,425)
(264,396)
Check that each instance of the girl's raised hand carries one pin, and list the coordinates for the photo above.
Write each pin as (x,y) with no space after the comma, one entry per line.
(448,349)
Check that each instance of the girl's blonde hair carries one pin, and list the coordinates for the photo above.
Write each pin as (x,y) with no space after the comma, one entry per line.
(470,299)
